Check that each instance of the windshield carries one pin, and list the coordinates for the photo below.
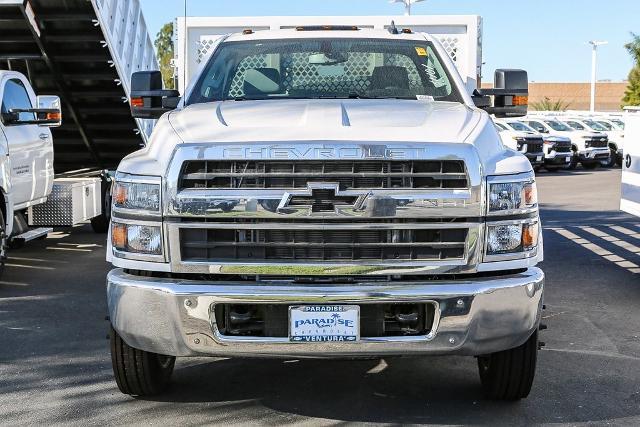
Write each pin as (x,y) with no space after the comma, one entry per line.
(520,127)
(324,68)
(618,122)
(607,126)
(558,126)
(575,125)
(595,125)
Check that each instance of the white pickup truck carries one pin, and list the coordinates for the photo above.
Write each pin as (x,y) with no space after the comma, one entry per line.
(591,149)
(26,152)
(326,191)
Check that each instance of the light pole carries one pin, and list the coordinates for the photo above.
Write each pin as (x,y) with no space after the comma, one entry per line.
(594,59)
(407,5)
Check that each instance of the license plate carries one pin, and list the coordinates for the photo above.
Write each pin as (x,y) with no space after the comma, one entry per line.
(567,160)
(324,323)
(539,159)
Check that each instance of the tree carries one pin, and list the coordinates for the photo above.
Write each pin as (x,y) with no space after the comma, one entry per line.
(632,94)
(547,104)
(164,50)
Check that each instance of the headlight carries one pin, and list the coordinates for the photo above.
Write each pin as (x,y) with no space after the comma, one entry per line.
(136,193)
(136,238)
(510,196)
(512,238)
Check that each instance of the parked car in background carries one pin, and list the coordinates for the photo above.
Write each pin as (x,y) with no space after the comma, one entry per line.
(589,148)
(527,142)
(555,149)
(615,136)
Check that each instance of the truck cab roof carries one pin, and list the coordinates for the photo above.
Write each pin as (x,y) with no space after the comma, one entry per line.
(315,33)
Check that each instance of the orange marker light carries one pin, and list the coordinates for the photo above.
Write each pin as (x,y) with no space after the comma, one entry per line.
(530,195)
(119,236)
(54,116)
(529,236)
(119,195)
(137,102)
(520,101)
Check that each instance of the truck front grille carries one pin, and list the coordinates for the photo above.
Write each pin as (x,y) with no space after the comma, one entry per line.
(534,145)
(349,174)
(562,147)
(597,143)
(326,244)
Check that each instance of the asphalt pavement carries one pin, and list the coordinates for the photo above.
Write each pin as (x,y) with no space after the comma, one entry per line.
(55,364)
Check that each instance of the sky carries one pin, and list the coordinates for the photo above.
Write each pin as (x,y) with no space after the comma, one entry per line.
(548,38)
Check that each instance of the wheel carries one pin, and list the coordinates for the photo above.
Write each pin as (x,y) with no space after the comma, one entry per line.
(574,161)
(3,243)
(591,166)
(138,372)
(508,375)
(536,169)
(100,224)
(611,163)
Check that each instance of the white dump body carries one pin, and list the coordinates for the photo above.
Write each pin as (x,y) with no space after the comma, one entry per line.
(630,194)
(128,40)
(461,36)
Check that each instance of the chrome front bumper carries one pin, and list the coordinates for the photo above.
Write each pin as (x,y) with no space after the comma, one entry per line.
(473,317)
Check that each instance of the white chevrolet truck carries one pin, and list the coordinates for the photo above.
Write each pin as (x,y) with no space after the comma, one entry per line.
(326,191)
(26,153)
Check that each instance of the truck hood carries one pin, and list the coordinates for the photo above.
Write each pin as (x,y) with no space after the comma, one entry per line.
(386,120)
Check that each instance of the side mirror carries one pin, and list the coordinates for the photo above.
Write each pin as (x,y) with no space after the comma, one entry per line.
(510,94)
(148,99)
(48,113)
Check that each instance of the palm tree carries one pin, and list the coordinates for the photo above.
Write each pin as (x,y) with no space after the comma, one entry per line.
(547,104)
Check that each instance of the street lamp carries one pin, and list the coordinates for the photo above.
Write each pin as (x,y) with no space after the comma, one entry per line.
(594,58)
(407,4)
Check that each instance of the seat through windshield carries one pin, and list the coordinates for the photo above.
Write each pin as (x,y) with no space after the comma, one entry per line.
(324,68)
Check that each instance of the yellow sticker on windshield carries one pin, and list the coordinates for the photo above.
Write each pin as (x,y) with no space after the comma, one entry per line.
(421,51)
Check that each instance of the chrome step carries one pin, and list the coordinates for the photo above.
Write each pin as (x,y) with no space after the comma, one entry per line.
(32,234)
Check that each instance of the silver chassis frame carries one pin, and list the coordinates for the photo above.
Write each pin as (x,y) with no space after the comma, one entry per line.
(476,316)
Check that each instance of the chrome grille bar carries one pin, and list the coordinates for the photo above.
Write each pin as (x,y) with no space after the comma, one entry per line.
(215,244)
(349,174)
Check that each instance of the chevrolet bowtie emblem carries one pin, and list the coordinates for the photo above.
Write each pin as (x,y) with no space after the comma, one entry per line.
(321,197)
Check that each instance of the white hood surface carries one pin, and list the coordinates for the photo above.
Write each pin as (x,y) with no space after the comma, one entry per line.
(373,120)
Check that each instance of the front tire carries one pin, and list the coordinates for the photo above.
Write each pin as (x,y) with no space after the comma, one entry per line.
(613,159)
(574,161)
(139,372)
(4,245)
(508,375)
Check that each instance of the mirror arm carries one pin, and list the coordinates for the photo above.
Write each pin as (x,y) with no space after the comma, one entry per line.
(170,93)
(14,116)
